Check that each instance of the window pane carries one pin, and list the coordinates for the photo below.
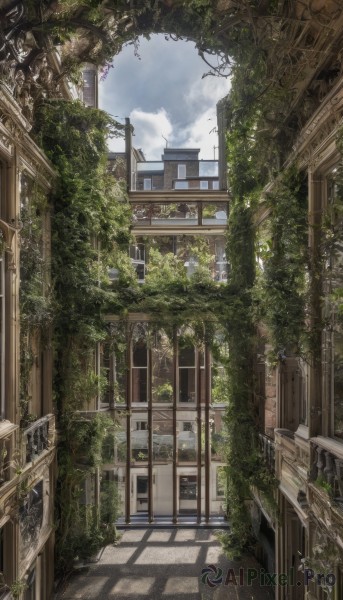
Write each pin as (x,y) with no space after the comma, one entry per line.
(188,487)
(139,385)
(187,384)
(140,354)
(181,185)
(162,436)
(338,384)
(181,171)
(187,357)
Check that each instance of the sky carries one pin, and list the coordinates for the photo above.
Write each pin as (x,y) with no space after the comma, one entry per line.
(164,94)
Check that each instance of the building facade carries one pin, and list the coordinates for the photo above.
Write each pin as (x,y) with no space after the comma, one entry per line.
(27,422)
(301,407)
(168,457)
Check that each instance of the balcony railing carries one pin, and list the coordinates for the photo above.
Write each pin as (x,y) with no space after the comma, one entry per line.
(7,448)
(267,446)
(327,470)
(38,437)
(179,214)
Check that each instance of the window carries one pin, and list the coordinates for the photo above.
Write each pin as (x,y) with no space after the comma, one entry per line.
(2,335)
(337,380)
(187,426)
(181,185)
(220,482)
(181,171)
(188,487)
(204,185)
(1,550)
(31,518)
(215,185)
(333,284)
(147,184)
(7,538)
(140,372)
(30,591)
(140,272)
(141,425)
(142,484)
(187,374)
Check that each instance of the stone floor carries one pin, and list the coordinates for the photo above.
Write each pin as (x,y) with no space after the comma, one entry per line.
(164,564)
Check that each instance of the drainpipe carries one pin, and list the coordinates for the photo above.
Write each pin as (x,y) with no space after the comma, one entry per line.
(128,152)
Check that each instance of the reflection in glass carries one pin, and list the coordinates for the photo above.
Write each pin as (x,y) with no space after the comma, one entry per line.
(162,436)
(162,369)
(338,384)
(186,441)
(186,373)
(214,213)
(140,372)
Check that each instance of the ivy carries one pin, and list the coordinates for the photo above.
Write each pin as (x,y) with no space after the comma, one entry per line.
(35,297)
(282,291)
(90,225)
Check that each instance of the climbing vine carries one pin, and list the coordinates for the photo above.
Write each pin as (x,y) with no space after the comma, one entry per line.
(36,299)
(281,290)
(90,224)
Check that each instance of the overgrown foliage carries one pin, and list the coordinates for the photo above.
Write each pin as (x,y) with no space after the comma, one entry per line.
(281,290)
(245,468)
(36,301)
(90,224)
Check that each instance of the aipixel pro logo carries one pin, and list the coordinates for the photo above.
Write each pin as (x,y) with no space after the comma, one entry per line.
(212,576)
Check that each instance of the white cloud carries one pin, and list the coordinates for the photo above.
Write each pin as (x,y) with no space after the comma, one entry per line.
(149,128)
(164,94)
(202,133)
(207,91)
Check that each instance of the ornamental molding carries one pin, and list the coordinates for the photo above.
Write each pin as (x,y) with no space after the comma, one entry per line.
(32,161)
(6,143)
(310,146)
(26,72)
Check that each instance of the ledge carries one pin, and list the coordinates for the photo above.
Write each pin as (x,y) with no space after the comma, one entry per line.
(6,428)
(330,445)
(179,196)
(285,433)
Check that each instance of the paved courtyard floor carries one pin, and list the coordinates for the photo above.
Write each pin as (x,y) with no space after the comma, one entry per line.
(164,564)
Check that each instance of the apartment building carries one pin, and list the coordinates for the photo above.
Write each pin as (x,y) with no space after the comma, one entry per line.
(27,422)
(168,457)
(179,169)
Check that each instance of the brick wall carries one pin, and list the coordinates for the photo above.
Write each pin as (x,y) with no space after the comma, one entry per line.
(170,171)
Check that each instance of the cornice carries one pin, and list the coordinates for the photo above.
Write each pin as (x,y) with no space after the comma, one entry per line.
(312,145)
(29,71)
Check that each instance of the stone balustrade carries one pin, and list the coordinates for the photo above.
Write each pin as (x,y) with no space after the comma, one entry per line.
(327,468)
(7,450)
(37,437)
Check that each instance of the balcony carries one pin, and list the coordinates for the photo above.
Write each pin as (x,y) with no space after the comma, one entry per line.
(7,447)
(327,470)
(38,437)
(178,214)
(267,446)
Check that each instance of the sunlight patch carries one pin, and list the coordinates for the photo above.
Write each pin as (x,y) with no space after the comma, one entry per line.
(181,585)
(140,586)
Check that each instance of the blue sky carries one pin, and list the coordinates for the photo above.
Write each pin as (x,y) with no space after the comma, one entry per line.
(164,94)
